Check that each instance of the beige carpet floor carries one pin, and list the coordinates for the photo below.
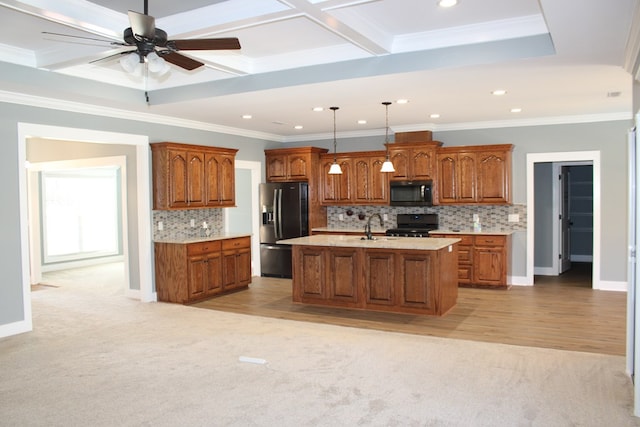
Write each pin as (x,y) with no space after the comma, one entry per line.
(96,358)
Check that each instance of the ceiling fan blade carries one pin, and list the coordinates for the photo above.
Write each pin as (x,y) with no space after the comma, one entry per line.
(106,58)
(181,60)
(142,25)
(205,44)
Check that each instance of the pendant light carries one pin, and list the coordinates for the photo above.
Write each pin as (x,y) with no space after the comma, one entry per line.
(335,167)
(387,166)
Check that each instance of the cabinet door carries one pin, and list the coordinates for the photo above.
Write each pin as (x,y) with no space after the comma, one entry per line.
(178,189)
(276,167)
(309,270)
(494,171)
(466,178)
(378,183)
(214,273)
(416,279)
(196,179)
(447,178)
(336,189)
(229,270)
(299,167)
(198,277)
(226,181)
(422,164)
(243,266)
(400,160)
(379,278)
(361,184)
(342,275)
(488,267)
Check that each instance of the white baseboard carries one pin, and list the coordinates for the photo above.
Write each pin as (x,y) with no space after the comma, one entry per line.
(545,271)
(15,328)
(518,281)
(605,285)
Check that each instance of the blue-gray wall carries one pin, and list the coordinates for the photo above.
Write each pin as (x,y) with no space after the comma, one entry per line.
(607,137)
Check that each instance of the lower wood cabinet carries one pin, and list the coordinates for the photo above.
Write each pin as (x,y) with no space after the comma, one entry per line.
(483,259)
(189,272)
(396,280)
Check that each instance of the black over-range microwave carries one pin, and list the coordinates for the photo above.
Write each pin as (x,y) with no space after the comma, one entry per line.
(410,193)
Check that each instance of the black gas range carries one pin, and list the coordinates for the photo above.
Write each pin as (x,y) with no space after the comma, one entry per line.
(414,225)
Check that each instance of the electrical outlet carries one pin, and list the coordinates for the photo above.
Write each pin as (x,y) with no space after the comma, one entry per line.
(193,222)
(341,217)
(385,217)
(514,218)
(160,226)
(476,218)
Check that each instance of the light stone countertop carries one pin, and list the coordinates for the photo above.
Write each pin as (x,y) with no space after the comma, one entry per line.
(211,238)
(337,240)
(488,232)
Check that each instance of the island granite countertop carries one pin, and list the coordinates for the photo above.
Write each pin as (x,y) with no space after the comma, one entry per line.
(411,243)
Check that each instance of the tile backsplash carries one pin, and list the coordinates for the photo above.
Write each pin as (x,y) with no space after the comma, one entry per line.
(492,217)
(177,224)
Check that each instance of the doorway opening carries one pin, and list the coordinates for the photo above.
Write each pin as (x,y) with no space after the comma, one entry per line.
(536,195)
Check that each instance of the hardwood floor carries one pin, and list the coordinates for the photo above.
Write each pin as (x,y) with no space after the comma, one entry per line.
(561,314)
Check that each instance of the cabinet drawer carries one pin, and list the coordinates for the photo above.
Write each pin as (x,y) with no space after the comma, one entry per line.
(465,254)
(201,248)
(490,240)
(241,242)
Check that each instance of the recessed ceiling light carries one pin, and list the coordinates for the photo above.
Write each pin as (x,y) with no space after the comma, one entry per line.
(247,116)
(402,101)
(362,122)
(516,110)
(318,109)
(298,127)
(435,116)
(499,92)
(447,3)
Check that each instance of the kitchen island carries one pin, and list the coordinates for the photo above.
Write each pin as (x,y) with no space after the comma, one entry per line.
(395,274)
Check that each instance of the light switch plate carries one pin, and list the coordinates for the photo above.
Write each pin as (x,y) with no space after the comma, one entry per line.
(341,217)
(514,218)
(160,226)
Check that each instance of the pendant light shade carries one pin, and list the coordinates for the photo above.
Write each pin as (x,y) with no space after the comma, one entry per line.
(387,166)
(335,167)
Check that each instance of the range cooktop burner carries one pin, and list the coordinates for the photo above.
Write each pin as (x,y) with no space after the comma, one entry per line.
(414,225)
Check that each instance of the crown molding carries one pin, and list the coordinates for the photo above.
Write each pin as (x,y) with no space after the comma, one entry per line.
(77,107)
(632,49)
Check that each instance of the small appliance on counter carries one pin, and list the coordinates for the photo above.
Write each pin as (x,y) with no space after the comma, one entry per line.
(285,215)
(414,225)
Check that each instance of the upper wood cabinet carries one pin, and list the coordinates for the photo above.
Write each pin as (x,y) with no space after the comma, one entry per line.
(413,160)
(474,174)
(292,164)
(361,182)
(299,164)
(192,176)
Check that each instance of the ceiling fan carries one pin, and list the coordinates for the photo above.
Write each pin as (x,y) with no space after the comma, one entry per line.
(153,47)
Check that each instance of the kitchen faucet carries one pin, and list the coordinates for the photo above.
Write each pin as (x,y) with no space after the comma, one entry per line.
(367,228)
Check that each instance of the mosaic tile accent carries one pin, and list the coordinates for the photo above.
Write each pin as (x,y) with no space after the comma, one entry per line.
(493,217)
(177,224)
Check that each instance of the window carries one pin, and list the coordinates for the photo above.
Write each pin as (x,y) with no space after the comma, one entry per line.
(81,214)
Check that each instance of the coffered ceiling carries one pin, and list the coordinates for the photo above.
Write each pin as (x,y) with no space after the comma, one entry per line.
(559,61)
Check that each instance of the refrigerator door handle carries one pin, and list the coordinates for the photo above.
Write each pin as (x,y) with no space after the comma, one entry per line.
(275,214)
(280,235)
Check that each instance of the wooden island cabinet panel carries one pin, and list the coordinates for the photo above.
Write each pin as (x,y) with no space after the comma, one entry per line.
(190,272)
(483,259)
(192,176)
(393,280)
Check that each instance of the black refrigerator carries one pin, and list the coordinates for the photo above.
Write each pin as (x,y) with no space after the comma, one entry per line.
(285,212)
